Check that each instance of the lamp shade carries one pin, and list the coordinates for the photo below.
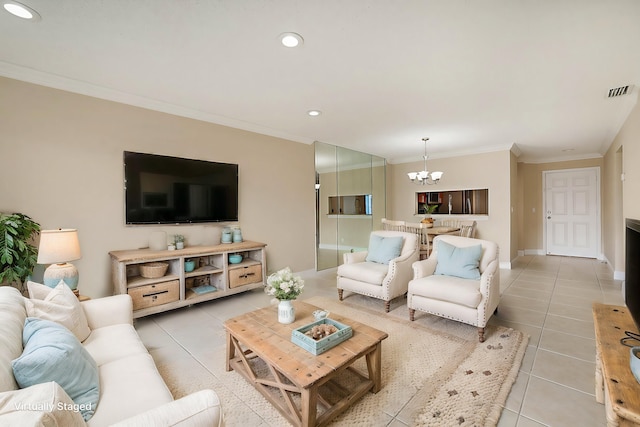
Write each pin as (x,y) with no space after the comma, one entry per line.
(436,175)
(58,246)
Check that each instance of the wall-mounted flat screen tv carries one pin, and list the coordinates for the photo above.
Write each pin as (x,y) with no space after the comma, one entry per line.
(172,190)
(632,269)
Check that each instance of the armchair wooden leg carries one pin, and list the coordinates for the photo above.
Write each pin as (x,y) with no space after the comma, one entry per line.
(412,313)
(481,334)
(387,306)
(340,294)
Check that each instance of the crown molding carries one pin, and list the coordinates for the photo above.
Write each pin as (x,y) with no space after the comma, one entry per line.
(568,158)
(457,153)
(30,75)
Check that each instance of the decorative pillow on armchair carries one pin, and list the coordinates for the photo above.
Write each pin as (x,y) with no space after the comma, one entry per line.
(53,353)
(384,249)
(59,305)
(458,262)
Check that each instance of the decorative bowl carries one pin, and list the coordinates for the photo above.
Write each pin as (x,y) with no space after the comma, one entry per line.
(235,258)
(189,266)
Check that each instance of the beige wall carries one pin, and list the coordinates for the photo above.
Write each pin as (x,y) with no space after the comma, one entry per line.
(621,199)
(532,218)
(487,170)
(62,165)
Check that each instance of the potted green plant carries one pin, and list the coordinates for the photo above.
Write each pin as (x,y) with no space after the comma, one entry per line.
(428,210)
(179,241)
(18,255)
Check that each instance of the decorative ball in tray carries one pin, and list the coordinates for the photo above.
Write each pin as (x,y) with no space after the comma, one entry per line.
(320,331)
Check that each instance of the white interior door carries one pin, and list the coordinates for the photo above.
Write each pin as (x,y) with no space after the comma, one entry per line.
(572,212)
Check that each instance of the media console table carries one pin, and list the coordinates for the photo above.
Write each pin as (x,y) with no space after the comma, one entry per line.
(213,277)
(616,386)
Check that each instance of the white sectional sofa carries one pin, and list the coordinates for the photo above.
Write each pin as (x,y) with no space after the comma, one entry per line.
(131,390)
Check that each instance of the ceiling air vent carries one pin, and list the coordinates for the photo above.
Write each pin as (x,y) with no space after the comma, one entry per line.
(619,91)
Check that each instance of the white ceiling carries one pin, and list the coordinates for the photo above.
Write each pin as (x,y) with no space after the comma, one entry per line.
(473,75)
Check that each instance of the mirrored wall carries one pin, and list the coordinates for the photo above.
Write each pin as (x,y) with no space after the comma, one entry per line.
(350,199)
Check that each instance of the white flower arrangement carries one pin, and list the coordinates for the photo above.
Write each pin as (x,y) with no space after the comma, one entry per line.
(284,285)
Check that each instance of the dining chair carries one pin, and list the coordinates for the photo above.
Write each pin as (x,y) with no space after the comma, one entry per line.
(392,225)
(468,229)
(420,229)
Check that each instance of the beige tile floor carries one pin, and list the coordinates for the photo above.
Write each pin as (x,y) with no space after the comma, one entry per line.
(547,297)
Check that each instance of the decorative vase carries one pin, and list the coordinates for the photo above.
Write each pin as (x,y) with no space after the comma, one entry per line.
(227,235)
(237,235)
(286,312)
(179,245)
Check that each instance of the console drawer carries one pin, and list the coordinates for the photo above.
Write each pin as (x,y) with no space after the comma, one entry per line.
(245,275)
(155,294)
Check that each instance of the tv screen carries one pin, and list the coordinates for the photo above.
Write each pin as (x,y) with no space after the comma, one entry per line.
(632,269)
(172,190)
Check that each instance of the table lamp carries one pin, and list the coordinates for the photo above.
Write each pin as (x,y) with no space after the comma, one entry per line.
(58,247)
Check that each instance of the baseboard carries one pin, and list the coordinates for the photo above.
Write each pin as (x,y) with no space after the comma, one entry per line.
(505,265)
(617,275)
(534,252)
(344,248)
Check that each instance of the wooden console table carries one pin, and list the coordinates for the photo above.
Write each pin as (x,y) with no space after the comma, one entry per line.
(178,287)
(616,386)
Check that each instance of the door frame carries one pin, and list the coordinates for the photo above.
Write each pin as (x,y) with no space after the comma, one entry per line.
(545,173)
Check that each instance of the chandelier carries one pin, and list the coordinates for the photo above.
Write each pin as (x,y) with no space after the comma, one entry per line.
(423,177)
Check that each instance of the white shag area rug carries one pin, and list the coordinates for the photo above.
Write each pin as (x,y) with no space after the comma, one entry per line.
(434,372)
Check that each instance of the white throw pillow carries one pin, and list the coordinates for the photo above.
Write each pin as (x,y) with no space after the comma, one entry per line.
(59,305)
(42,404)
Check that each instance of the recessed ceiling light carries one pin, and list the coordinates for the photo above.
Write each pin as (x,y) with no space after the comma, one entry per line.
(20,10)
(291,39)
(314,113)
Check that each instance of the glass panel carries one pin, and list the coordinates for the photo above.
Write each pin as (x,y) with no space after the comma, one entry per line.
(354,178)
(326,225)
(350,199)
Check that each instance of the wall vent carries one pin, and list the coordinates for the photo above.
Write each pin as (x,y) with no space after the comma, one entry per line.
(619,91)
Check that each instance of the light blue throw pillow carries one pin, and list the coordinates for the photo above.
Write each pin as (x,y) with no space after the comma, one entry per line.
(458,262)
(384,249)
(52,353)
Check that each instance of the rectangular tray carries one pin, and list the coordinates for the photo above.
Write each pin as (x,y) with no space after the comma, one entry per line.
(299,338)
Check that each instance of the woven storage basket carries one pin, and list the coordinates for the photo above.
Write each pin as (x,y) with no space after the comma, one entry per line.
(153,270)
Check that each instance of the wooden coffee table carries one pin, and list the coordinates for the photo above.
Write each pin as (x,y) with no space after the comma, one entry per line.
(289,371)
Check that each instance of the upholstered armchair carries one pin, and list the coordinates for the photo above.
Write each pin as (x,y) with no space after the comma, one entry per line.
(460,281)
(384,270)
